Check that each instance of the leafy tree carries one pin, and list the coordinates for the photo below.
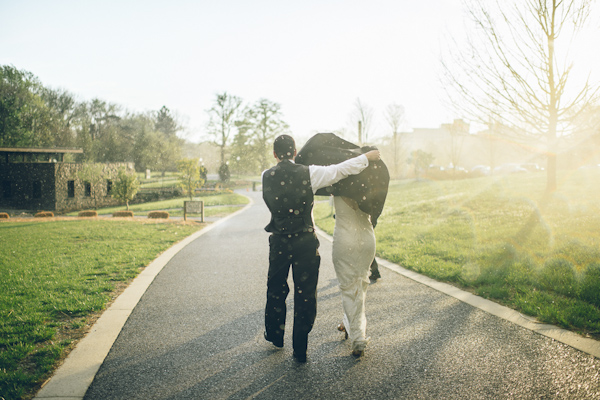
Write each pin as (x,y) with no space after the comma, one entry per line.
(222,118)
(203,174)
(224,173)
(420,160)
(102,117)
(64,113)
(24,117)
(166,123)
(93,174)
(262,122)
(167,151)
(32,115)
(516,70)
(150,148)
(125,186)
(142,153)
(243,159)
(190,175)
(99,132)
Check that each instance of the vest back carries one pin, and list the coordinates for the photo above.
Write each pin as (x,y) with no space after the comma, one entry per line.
(288,194)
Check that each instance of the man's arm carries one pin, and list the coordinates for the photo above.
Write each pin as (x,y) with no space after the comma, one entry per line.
(322,176)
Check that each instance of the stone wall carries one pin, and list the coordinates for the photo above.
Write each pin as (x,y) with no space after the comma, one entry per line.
(43,186)
(99,197)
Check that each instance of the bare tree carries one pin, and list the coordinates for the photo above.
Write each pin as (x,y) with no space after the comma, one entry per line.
(458,131)
(516,69)
(223,115)
(262,122)
(362,117)
(394,115)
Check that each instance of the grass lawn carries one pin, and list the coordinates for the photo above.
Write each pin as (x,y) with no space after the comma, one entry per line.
(162,183)
(502,238)
(57,275)
(227,203)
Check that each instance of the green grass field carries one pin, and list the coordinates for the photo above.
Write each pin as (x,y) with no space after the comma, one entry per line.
(58,275)
(503,238)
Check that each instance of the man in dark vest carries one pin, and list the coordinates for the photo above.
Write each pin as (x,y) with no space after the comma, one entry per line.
(288,191)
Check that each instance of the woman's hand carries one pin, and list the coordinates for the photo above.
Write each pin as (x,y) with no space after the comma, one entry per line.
(373,155)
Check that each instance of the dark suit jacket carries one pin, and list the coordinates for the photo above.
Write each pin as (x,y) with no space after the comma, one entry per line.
(369,188)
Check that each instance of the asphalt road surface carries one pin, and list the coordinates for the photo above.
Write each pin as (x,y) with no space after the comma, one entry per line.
(197,333)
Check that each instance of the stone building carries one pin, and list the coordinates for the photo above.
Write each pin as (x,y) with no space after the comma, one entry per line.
(39,179)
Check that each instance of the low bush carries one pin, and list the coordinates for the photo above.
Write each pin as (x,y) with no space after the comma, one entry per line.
(123,213)
(4,216)
(88,213)
(590,285)
(558,275)
(496,265)
(158,214)
(44,214)
(156,194)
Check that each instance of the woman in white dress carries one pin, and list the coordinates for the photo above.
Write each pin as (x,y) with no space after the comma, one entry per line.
(359,201)
(353,252)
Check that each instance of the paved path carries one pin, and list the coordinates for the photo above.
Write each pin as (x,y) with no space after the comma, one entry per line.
(197,334)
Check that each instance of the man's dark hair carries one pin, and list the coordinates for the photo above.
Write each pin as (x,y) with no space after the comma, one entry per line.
(284,147)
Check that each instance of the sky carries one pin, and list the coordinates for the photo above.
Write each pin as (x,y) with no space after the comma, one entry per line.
(315,58)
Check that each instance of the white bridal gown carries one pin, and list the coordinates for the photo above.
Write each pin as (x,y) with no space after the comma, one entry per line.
(353,252)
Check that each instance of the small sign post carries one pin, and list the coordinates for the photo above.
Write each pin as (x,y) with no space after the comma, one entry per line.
(193,207)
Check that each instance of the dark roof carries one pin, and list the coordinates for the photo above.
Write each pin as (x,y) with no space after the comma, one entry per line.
(56,150)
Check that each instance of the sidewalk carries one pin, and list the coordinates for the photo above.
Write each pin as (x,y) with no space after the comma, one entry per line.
(196,333)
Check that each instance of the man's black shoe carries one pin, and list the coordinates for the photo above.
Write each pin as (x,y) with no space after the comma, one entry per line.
(300,357)
(276,343)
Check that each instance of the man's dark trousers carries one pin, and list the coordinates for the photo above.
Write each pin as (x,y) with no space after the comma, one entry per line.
(300,251)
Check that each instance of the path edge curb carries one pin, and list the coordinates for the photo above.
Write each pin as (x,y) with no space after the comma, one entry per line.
(74,376)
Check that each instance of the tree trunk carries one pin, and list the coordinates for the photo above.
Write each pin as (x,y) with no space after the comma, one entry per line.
(551,172)
(552,109)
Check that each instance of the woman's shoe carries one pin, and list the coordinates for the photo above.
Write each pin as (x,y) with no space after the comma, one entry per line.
(342,328)
(358,353)
(358,347)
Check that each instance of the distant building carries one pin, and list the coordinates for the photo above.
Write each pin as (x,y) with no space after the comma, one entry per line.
(446,143)
(39,179)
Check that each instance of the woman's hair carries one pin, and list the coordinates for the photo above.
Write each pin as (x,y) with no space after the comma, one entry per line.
(284,147)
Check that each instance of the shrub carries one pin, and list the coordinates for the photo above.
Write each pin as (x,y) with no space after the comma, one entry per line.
(44,214)
(497,264)
(88,213)
(126,186)
(4,216)
(590,285)
(521,272)
(558,275)
(158,214)
(123,213)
